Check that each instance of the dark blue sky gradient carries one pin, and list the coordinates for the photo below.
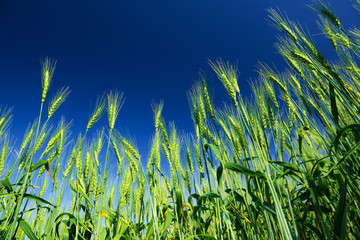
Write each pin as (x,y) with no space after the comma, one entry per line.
(150,50)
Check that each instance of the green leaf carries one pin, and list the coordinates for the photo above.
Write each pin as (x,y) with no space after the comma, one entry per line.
(301,136)
(70,224)
(68,231)
(123,229)
(215,151)
(209,195)
(71,217)
(267,206)
(248,159)
(219,173)
(178,202)
(312,188)
(104,234)
(319,164)
(356,147)
(302,197)
(289,173)
(38,165)
(340,215)
(166,224)
(117,237)
(27,230)
(38,199)
(241,169)
(334,109)
(355,127)
(6,183)
(149,230)
(82,193)
(288,165)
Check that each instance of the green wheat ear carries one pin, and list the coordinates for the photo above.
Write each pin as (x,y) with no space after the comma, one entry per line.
(115,102)
(97,113)
(57,100)
(5,120)
(157,109)
(208,104)
(228,75)
(47,72)
(283,24)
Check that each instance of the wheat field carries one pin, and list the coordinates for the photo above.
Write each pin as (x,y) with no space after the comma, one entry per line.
(284,165)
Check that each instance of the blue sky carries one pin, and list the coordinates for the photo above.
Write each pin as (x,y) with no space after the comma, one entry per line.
(150,50)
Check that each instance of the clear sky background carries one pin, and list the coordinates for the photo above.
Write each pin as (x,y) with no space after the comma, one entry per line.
(150,50)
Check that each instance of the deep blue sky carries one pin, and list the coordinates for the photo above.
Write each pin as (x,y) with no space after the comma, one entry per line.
(150,50)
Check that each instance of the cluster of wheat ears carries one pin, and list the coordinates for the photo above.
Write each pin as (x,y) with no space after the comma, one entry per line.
(283,166)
